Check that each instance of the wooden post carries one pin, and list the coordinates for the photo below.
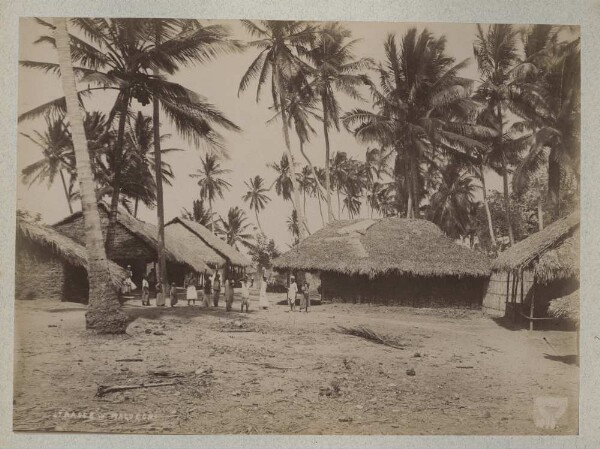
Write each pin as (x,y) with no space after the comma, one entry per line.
(532,305)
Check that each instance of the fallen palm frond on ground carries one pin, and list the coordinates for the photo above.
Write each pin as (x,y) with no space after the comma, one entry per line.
(367,334)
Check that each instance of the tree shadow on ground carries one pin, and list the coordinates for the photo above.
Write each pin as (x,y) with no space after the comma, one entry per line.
(572,359)
(183,311)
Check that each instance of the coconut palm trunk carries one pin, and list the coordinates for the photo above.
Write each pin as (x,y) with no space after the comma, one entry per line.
(160,207)
(258,221)
(116,181)
(104,314)
(487,207)
(511,236)
(330,216)
(64,184)
(540,210)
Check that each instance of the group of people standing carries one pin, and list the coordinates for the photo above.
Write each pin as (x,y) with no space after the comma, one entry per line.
(210,291)
(293,291)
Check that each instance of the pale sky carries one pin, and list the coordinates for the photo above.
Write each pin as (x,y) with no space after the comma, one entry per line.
(249,151)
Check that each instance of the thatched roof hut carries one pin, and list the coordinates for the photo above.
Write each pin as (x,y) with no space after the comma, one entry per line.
(135,239)
(388,257)
(389,245)
(566,307)
(52,264)
(215,251)
(528,252)
(535,271)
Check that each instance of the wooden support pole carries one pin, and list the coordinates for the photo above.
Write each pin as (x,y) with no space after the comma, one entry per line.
(531,307)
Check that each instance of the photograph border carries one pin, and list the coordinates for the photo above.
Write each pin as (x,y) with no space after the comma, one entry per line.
(584,13)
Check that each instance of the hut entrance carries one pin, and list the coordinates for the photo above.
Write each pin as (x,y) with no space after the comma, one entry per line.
(76,286)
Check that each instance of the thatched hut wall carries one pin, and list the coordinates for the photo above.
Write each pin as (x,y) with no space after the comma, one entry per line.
(41,274)
(404,290)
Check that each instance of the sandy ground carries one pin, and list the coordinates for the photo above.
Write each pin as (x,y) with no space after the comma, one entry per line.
(288,373)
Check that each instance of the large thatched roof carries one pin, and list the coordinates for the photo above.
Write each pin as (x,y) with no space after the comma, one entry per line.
(175,250)
(225,251)
(388,245)
(63,247)
(552,253)
(178,231)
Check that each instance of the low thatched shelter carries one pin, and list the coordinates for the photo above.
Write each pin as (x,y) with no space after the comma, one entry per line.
(53,266)
(535,271)
(390,260)
(215,252)
(136,244)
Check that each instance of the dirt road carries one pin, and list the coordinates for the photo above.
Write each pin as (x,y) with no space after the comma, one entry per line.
(288,373)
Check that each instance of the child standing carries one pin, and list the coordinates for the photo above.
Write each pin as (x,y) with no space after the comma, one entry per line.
(207,290)
(305,299)
(245,294)
(190,289)
(145,291)
(291,293)
(216,288)
(160,296)
(173,294)
(228,294)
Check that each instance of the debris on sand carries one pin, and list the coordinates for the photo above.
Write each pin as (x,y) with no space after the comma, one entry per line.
(368,334)
(411,372)
(333,390)
(417,354)
(105,389)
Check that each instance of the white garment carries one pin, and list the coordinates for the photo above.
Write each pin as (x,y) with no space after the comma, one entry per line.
(262,297)
(292,290)
(245,290)
(191,293)
(145,283)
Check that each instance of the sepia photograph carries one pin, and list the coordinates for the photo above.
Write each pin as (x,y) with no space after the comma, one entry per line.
(297,227)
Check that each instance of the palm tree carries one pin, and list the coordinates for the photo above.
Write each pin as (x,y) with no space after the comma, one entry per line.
(140,179)
(119,55)
(235,229)
(58,157)
(451,205)
(555,139)
(278,41)
(422,110)
(503,92)
(104,314)
(294,226)
(283,181)
(338,175)
(199,214)
(211,180)
(335,68)
(256,196)
(306,183)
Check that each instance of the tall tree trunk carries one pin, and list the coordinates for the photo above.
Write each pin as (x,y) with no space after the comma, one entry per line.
(212,220)
(330,216)
(511,236)
(64,184)
(487,208)
(321,209)
(302,225)
(135,207)
(160,208)
(104,311)
(540,211)
(258,221)
(116,183)
(554,185)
